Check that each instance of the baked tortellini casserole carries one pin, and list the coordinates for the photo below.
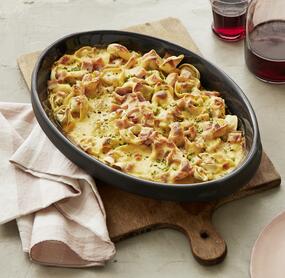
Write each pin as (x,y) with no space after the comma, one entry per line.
(145,115)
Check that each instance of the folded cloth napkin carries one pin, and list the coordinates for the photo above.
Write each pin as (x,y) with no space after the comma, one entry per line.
(60,215)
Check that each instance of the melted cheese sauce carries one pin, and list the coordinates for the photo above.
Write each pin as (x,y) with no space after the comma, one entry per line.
(145,115)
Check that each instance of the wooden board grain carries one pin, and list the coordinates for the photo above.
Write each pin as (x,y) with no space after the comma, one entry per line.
(129,214)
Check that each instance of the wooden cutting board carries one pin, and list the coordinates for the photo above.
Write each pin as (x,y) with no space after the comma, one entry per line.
(129,214)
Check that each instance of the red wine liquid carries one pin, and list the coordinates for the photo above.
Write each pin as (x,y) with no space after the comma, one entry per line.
(265,51)
(229,21)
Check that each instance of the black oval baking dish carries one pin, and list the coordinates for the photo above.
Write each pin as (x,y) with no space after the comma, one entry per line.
(211,78)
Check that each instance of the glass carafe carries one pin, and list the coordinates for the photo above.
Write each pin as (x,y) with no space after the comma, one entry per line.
(265,40)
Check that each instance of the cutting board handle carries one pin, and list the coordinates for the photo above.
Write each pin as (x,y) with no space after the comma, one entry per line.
(207,246)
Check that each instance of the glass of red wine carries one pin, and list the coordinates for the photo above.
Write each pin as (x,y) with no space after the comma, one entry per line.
(229,17)
(265,40)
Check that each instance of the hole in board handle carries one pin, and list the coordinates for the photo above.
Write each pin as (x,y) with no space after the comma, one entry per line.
(204,234)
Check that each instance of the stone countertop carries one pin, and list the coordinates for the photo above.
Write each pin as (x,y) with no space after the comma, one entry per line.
(29,25)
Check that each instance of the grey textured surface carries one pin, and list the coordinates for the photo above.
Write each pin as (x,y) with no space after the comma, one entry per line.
(29,25)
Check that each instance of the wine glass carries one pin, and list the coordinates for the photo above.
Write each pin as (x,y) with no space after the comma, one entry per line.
(229,18)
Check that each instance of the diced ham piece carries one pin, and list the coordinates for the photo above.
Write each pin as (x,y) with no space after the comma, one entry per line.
(115,107)
(123,123)
(87,65)
(176,134)
(123,90)
(185,171)
(235,137)
(118,98)
(212,93)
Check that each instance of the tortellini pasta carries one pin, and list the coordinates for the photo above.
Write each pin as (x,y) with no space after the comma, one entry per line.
(144,114)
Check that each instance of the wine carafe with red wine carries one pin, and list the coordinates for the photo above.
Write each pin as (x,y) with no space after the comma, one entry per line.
(265,40)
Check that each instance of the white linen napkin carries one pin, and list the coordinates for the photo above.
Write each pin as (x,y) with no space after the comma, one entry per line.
(59,212)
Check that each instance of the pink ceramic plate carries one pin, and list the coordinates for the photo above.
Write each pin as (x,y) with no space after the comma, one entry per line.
(268,253)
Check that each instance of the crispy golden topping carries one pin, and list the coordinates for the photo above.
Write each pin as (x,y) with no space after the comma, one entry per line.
(145,115)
